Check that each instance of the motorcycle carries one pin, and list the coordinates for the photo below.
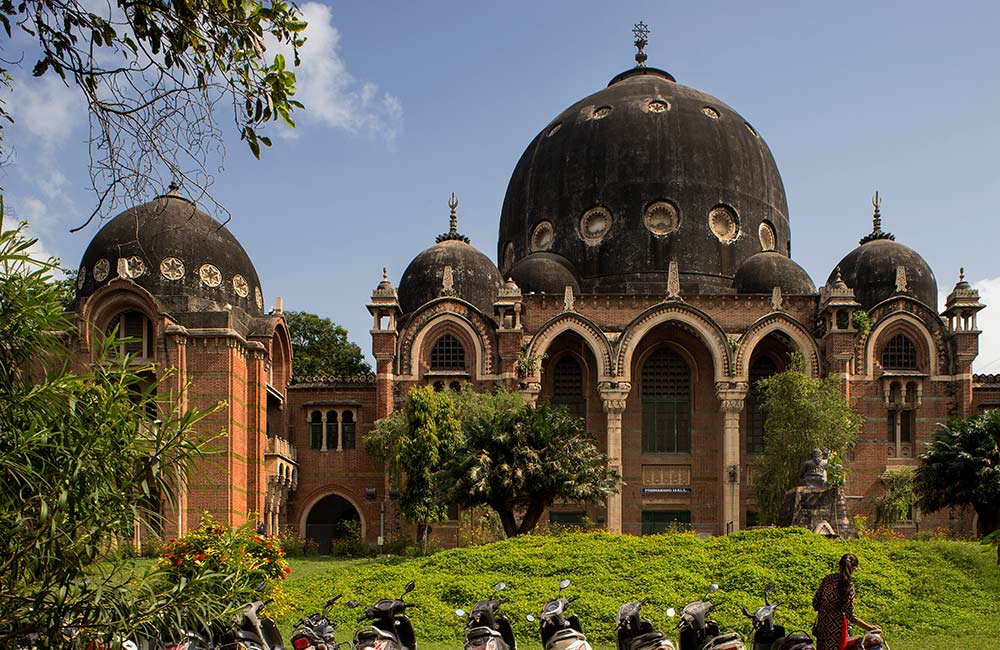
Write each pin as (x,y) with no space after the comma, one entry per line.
(769,636)
(315,632)
(637,633)
(253,632)
(390,628)
(561,632)
(697,632)
(486,630)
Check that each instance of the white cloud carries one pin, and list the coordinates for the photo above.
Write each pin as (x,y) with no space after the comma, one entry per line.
(988,321)
(47,108)
(40,222)
(331,95)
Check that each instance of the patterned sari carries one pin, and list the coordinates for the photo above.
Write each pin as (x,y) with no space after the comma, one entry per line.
(833,613)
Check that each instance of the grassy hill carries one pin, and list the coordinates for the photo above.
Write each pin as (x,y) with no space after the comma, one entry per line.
(932,594)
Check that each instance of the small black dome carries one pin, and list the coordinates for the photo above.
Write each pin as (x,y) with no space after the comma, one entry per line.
(762,272)
(637,174)
(544,273)
(871,270)
(475,278)
(182,256)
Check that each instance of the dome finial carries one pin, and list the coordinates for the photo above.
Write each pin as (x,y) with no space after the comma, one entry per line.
(385,274)
(452,233)
(641,31)
(961,274)
(877,232)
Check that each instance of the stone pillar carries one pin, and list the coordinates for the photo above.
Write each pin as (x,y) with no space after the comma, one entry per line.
(614,394)
(732,396)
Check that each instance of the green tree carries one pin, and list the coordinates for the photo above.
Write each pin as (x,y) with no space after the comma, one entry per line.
(895,503)
(83,457)
(153,74)
(961,467)
(414,443)
(802,414)
(320,347)
(515,457)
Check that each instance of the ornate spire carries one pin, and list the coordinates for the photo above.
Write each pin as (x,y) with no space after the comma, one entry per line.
(877,232)
(452,233)
(641,31)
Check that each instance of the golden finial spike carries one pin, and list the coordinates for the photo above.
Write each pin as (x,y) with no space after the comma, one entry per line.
(385,274)
(876,216)
(453,204)
(961,274)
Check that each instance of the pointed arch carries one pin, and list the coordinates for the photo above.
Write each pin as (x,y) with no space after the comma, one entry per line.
(902,322)
(785,324)
(703,325)
(585,329)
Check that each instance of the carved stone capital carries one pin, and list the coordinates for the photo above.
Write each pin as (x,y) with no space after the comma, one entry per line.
(614,394)
(732,394)
(732,404)
(530,392)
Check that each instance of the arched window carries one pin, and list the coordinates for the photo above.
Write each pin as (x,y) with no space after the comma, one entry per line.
(447,354)
(899,354)
(567,386)
(666,403)
(331,430)
(347,430)
(761,368)
(316,430)
(133,325)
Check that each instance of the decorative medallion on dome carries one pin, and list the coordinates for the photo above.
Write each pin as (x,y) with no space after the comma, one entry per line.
(661,218)
(172,268)
(594,225)
(658,106)
(766,234)
(555,129)
(258,297)
(81,277)
(602,112)
(542,237)
(210,275)
(101,269)
(724,224)
(131,267)
(508,256)
(710,112)
(240,286)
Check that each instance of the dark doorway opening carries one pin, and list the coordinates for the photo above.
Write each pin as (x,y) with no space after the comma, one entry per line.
(327,519)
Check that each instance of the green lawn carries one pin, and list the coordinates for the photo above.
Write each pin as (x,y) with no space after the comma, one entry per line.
(934,595)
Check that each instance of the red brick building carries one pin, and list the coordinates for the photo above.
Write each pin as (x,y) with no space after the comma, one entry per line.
(644,258)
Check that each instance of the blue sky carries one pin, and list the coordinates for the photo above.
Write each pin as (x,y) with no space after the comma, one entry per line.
(408,102)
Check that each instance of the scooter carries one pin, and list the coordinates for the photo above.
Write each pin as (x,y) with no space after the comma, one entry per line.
(872,640)
(769,636)
(697,632)
(637,633)
(390,628)
(253,632)
(561,632)
(315,632)
(486,630)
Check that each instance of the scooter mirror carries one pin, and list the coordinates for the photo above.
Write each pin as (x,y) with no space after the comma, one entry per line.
(459,612)
(500,586)
(671,612)
(769,588)
(409,587)
(353,603)
(713,588)
(564,583)
(529,618)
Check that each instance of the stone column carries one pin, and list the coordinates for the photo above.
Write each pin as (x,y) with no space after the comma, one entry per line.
(732,396)
(614,394)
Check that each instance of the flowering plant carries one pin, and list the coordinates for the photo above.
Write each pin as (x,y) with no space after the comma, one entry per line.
(218,548)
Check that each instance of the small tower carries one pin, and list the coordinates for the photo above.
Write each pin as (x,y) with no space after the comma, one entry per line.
(960,312)
(384,308)
(837,306)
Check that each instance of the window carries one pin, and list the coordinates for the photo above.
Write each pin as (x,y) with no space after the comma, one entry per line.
(899,354)
(568,519)
(135,326)
(901,430)
(447,354)
(453,512)
(761,368)
(316,430)
(331,430)
(347,430)
(567,386)
(661,521)
(752,518)
(666,403)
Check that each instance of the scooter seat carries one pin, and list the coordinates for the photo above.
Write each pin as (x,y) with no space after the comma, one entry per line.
(728,641)
(651,641)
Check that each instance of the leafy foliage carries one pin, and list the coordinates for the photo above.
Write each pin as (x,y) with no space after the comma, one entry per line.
(894,505)
(924,591)
(83,457)
(320,347)
(414,443)
(961,467)
(152,73)
(802,414)
(518,457)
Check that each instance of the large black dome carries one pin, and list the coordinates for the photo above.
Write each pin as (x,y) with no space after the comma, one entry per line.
(639,173)
(178,253)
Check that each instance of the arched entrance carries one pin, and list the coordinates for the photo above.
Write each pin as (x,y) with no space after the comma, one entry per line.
(327,519)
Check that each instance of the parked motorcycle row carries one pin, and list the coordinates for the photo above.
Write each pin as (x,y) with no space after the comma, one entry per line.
(385,626)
